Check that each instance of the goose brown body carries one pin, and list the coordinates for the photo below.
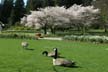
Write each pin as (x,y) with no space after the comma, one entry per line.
(62,61)
(24,44)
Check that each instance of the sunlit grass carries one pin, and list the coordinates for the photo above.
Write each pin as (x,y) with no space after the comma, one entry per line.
(89,57)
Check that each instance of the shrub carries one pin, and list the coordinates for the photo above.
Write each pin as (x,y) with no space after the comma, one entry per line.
(96,39)
(17,36)
(38,35)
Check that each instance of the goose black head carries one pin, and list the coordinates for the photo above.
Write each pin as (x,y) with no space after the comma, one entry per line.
(45,53)
(56,52)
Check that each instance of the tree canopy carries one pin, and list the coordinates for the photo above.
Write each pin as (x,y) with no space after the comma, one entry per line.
(53,17)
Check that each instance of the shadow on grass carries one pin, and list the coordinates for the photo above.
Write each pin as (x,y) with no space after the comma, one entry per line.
(30,49)
(54,68)
(61,57)
(73,66)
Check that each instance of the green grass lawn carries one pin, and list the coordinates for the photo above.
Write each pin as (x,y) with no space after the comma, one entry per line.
(89,57)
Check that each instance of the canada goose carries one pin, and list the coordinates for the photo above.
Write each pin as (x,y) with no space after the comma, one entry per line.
(50,54)
(61,61)
(24,45)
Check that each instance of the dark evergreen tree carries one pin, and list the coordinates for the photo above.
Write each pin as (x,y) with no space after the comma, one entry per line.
(61,2)
(51,2)
(18,11)
(6,10)
(11,19)
(69,3)
(35,5)
(87,2)
(38,4)
(0,9)
(29,6)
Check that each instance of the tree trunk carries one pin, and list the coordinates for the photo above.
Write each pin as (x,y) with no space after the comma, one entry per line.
(45,29)
(52,30)
(105,28)
(78,28)
(83,30)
